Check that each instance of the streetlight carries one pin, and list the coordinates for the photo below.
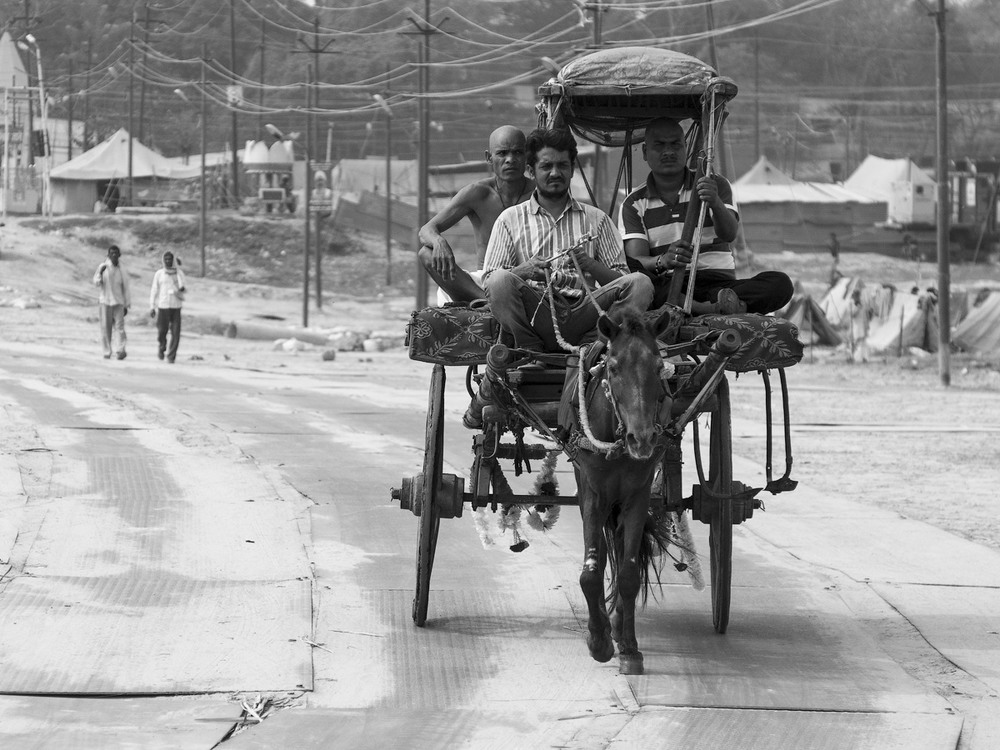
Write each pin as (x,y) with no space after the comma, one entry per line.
(44,106)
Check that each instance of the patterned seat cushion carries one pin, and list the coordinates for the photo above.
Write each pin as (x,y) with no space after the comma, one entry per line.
(766,342)
(455,334)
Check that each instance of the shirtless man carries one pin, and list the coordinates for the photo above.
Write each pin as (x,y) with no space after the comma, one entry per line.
(482,202)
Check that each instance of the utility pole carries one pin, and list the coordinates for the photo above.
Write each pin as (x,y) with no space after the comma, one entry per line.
(425,29)
(29,22)
(723,156)
(598,10)
(203,219)
(69,114)
(943,203)
(381,100)
(305,203)
(756,91)
(131,80)
(260,95)
(86,95)
(316,50)
(234,102)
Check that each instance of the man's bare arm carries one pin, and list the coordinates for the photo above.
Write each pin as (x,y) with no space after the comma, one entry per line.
(465,202)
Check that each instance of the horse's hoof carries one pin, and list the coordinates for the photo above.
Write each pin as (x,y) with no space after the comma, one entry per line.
(630,663)
(601,649)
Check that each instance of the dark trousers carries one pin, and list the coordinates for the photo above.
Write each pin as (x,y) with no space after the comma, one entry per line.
(766,292)
(168,319)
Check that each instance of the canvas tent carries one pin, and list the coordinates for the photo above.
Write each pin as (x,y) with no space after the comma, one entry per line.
(979,331)
(814,329)
(906,189)
(79,183)
(910,322)
(779,212)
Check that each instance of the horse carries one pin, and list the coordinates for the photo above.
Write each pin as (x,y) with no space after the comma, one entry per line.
(627,396)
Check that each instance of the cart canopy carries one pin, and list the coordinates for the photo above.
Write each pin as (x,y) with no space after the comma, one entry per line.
(608,97)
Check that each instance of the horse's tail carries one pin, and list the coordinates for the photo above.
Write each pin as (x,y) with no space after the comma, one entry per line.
(656,537)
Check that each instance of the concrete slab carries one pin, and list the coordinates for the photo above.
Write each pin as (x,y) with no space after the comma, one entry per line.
(153,636)
(47,723)
(869,544)
(508,726)
(706,729)
(962,622)
(202,518)
(798,649)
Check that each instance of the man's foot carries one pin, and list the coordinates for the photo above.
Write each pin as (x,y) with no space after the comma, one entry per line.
(729,303)
(122,355)
(170,360)
(159,355)
(107,356)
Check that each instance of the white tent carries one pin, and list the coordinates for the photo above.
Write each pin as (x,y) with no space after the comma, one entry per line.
(110,160)
(875,177)
(980,330)
(765,183)
(779,212)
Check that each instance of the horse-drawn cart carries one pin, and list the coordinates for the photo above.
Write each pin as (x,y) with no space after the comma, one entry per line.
(575,403)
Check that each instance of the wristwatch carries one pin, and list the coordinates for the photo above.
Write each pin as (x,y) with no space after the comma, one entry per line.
(658,268)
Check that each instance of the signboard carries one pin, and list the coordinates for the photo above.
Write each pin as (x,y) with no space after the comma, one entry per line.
(234,94)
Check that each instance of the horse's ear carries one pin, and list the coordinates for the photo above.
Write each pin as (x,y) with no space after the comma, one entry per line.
(607,327)
(662,323)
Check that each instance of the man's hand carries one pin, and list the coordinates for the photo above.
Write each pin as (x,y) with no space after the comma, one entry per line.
(708,191)
(443,259)
(677,255)
(152,312)
(532,269)
(124,311)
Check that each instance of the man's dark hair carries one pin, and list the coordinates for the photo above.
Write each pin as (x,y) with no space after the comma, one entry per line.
(558,139)
(113,248)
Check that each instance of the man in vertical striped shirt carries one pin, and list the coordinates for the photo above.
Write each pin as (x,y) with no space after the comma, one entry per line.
(533,238)
(652,219)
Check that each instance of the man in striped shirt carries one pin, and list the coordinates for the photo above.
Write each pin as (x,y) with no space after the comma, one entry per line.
(543,236)
(652,219)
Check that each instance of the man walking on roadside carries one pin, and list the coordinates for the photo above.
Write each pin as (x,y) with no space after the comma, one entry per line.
(114,303)
(482,201)
(166,296)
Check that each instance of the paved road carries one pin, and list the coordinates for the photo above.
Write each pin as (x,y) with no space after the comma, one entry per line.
(214,541)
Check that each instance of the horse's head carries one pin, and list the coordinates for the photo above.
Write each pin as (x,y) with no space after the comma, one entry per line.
(636,379)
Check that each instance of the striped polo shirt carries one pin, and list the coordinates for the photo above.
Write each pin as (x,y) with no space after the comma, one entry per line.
(527,229)
(645,216)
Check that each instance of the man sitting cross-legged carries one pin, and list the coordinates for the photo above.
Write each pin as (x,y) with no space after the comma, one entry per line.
(652,219)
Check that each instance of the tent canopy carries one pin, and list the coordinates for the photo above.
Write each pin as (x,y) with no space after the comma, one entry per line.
(109,160)
(765,183)
(875,176)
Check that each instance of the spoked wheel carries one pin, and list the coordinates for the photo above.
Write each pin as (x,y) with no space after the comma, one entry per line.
(430,518)
(721,527)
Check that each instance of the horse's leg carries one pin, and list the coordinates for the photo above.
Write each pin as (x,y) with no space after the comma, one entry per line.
(592,576)
(633,519)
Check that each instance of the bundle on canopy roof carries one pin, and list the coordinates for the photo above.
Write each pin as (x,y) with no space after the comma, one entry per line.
(604,95)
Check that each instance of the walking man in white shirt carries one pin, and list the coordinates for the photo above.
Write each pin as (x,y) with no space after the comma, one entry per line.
(114,303)
(166,296)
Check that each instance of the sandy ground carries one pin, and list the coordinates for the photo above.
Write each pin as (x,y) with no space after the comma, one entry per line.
(884,432)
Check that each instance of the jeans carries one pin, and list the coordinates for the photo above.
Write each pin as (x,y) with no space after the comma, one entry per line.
(514,303)
(112,327)
(168,319)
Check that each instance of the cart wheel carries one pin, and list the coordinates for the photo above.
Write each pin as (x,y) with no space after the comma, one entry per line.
(430,518)
(721,527)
